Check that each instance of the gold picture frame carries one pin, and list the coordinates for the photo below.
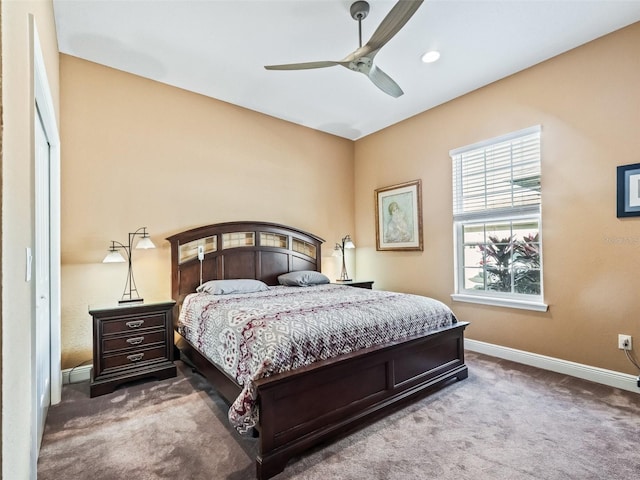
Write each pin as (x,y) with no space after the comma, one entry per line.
(399,217)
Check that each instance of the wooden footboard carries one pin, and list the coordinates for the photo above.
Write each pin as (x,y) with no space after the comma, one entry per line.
(303,407)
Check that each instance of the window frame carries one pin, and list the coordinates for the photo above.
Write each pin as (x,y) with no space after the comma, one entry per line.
(488,217)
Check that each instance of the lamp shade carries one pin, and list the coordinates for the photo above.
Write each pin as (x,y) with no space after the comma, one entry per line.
(145,243)
(348,243)
(114,256)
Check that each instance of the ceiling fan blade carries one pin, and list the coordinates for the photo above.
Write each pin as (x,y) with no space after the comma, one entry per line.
(302,66)
(384,82)
(393,22)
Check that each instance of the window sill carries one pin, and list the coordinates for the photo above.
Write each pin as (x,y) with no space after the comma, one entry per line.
(501,302)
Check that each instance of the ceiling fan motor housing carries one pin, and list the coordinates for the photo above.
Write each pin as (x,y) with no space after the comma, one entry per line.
(362,64)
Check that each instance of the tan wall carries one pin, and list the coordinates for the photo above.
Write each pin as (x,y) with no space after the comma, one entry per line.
(588,103)
(17,219)
(140,153)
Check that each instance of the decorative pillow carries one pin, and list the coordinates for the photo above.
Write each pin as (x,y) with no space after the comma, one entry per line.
(303,278)
(226,287)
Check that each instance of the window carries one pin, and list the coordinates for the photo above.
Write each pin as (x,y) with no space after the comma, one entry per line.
(496,214)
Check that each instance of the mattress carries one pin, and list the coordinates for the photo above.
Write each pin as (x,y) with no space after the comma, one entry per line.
(255,335)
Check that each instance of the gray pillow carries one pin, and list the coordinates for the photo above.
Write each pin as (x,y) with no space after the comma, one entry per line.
(303,278)
(226,287)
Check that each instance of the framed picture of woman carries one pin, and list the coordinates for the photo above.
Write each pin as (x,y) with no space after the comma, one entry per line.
(399,216)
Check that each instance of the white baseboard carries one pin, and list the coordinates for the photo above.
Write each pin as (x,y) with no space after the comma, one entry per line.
(611,378)
(76,374)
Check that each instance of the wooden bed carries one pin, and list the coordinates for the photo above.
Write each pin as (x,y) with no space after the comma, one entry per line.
(303,407)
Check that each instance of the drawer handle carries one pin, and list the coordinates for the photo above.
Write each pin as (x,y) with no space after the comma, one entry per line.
(135,323)
(135,357)
(135,341)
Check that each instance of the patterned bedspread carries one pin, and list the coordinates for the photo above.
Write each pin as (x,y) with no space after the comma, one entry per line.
(255,335)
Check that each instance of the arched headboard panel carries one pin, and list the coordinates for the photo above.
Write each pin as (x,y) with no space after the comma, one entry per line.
(258,250)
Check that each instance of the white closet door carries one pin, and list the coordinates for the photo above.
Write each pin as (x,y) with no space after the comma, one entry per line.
(42,280)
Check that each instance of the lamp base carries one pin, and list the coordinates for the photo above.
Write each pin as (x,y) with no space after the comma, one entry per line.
(131,300)
(344,280)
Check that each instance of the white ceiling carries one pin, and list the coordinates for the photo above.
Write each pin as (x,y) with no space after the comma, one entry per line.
(218,48)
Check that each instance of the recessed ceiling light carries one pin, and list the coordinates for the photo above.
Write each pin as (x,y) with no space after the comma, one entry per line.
(431,56)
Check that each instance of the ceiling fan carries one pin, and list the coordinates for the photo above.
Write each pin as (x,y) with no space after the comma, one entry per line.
(361,60)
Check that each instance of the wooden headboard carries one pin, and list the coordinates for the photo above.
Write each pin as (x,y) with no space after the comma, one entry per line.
(258,250)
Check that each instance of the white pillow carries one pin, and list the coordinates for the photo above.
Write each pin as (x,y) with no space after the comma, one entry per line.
(303,278)
(226,287)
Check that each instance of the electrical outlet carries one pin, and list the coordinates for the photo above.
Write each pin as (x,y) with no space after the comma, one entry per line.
(624,342)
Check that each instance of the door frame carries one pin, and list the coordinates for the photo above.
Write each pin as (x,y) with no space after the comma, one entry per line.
(44,101)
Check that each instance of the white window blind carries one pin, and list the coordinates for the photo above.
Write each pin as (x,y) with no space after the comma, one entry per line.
(496,210)
(502,174)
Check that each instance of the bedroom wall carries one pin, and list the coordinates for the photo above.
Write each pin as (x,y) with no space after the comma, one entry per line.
(17,219)
(141,153)
(588,103)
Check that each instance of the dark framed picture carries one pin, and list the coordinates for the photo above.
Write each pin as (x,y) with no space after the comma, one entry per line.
(399,216)
(629,190)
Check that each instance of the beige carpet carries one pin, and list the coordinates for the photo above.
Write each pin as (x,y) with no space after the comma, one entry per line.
(506,421)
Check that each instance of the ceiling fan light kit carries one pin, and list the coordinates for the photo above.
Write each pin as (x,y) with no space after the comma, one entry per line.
(361,60)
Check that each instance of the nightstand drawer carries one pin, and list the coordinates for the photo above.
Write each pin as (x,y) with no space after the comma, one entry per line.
(141,322)
(135,357)
(140,339)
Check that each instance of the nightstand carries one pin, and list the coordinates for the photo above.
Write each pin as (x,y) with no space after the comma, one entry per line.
(131,342)
(355,283)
